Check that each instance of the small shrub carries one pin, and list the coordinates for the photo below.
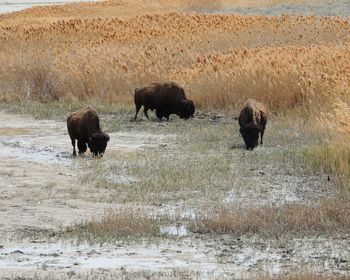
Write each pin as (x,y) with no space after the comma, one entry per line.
(329,216)
(116,224)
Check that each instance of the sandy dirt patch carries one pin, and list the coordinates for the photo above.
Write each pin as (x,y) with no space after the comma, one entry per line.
(40,189)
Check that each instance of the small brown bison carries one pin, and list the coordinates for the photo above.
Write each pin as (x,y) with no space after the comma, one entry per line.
(84,126)
(252,121)
(166,98)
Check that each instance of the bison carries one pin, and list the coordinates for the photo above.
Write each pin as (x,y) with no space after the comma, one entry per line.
(252,121)
(166,98)
(84,126)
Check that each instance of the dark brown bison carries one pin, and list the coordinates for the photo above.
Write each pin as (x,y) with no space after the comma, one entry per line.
(84,126)
(252,121)
(166,98)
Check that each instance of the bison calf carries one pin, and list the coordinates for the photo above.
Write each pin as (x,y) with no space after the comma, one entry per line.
(166,98)
(252,121)
(84,126)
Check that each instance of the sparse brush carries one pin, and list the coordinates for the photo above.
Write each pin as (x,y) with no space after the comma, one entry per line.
(329,216)
(115,224)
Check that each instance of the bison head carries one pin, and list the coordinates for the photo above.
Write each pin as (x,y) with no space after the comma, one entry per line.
(98,143)
(187,109)
(250,134)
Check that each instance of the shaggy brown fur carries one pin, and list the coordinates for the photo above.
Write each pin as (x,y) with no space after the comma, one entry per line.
(252,121)
(84,126)
(166,98)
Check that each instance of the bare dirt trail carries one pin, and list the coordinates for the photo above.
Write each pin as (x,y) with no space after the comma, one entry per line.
(32,171)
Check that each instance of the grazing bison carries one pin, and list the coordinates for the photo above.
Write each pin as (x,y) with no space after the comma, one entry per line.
(166,98)
(84,126)
(252,121)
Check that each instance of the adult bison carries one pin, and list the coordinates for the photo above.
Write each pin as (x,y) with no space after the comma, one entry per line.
(166,98)
(252,121)
(84,126)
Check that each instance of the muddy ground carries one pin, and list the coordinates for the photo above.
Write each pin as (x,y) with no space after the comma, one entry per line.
(42,192)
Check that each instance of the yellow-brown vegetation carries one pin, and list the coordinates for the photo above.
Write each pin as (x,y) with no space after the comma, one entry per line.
(219,59)
(329,216)
(121,223)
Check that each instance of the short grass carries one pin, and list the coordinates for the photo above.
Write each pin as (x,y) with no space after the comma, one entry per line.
(203,160)
(60,110)
(122,224)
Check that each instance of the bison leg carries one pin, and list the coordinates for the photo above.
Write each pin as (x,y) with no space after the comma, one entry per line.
(263,125)
(82,147)
(145,109)
(138,107)
(261,136)
(73,144)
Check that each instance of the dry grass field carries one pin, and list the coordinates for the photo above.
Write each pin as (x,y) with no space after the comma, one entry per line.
(219,59)
(178,199)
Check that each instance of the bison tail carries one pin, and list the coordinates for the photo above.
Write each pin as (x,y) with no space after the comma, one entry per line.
(137,97)
(136,93)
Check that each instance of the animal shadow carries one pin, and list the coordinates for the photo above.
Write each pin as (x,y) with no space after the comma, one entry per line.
(237,146)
